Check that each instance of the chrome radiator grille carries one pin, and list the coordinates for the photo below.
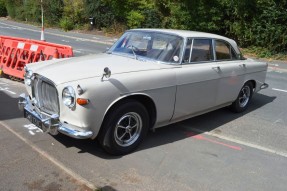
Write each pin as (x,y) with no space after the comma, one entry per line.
(46,95)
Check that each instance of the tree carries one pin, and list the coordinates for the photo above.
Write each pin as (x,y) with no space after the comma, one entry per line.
(3,10)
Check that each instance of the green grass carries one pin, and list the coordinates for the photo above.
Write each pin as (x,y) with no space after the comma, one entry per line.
(259,52)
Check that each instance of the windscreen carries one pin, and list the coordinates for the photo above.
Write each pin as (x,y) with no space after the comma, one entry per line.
(150,45)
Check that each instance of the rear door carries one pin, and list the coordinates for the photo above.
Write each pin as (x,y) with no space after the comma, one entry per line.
(231,71)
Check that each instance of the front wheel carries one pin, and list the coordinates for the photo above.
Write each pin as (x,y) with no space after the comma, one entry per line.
(243,99)
(124,128)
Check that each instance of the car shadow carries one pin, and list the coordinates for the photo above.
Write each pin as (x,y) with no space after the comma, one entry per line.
(174,132)
(9,107)
(200,124)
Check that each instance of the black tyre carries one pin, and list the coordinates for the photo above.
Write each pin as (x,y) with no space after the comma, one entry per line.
(243,100)
(124,128)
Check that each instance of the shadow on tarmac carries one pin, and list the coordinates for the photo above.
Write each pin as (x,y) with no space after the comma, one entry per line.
(9,107)
(173,132)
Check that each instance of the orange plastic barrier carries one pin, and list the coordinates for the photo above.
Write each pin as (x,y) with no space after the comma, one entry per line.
(15,53)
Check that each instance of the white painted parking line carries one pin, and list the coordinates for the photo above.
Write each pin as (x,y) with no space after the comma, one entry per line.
(273,64)
(65,41)
(275,89)
(54,161)
(7,90)
(78,51)
(33,129)
(252,145)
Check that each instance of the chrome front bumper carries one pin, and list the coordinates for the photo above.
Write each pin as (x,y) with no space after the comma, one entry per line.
(51,123)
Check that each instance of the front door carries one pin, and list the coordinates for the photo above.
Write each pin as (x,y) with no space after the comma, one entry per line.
(197,80)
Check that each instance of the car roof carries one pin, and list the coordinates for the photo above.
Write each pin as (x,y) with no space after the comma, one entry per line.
(190,34)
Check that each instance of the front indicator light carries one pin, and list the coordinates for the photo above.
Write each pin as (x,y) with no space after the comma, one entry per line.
(82,101)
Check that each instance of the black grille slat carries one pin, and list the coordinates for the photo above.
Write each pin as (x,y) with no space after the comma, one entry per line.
(46,95)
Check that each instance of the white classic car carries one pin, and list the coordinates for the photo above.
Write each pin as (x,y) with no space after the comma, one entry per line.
(149,78)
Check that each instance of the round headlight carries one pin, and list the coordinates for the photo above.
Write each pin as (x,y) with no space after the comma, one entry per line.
(69,96)
(28,76)
(28,81)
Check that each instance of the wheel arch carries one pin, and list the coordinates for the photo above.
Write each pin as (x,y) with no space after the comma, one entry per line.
(144,99)
(253,82)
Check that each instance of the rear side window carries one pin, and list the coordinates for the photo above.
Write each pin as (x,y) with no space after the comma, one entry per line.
(198,50)
(224,51)
(201,50)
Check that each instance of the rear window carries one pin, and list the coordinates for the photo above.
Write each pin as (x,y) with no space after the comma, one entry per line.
(224,51)
(201,50)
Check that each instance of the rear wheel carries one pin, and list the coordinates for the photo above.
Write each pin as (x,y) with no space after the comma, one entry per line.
(243,100)
(124,128)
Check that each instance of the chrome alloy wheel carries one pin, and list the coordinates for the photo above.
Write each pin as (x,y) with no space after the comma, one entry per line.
(128,129)
(244,96)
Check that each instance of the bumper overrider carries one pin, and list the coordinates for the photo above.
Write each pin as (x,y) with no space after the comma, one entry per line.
(50,123)
(264,86)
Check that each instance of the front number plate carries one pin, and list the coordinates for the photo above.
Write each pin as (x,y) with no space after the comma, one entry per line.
(33,119)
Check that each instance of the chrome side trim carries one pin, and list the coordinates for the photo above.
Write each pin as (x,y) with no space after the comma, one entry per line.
(51,124)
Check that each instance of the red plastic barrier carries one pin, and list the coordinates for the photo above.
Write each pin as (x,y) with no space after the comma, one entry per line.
(15,53)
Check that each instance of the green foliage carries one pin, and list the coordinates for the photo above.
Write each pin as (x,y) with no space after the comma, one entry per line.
(53,11)
(152,19)
(31,11)
(73,13)
(66,23)
(260,23)
(101,12)
(11,6)
(20,13)
(135,19)
(3,10)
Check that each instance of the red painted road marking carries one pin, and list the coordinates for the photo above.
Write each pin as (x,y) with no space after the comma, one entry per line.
(200,137)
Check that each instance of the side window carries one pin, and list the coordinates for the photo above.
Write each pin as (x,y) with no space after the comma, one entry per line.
(224,51)
(198,50)
(201,50)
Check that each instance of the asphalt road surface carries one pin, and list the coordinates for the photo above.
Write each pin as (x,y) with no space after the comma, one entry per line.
(216,151)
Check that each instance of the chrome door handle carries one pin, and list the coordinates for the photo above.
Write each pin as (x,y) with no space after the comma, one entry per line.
(217,68)
(242,65)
